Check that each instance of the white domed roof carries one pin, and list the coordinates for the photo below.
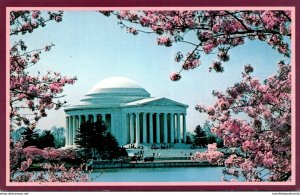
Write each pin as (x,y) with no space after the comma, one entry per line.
(114,91)
(114,83)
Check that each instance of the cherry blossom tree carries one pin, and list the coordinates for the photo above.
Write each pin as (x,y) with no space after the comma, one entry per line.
(263,136)
(252,116)
(21,159)
(31,96)
(215,32)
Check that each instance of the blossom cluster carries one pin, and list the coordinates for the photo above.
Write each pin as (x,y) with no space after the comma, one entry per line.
(263,134)
(47,153)
(166,41)
(175,76)
(132,30)
(212,155)
(22,158)
(33,94)
(192,61)
(25,21)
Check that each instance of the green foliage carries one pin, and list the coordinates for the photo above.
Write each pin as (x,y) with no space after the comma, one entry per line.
(39,138)
(59,137)
(96,142)
(84,139)
(45,140)
(188,140)
(199,138)
(203,136)
(111,149)
(30,138)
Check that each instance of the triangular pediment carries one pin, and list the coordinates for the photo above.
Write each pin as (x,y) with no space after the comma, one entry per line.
(156,102)
(163,102)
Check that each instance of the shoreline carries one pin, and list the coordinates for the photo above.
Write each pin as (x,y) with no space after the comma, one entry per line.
(159,163)
(155,164)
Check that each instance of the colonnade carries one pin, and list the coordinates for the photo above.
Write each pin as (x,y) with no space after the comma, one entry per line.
(156,127)
(73,123)
(137,127)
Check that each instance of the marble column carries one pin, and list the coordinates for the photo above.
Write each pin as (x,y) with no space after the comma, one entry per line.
(76,127)
(131,125)
(184,127)
(178,128)
(150,128)
(125,130)
(144,128)
(108,125)
(172,127)
(157,128)
(73,130)
(137,129)
(94,118)
(79,121)
(70,130)
(67,131)
(112,124)
(86,117)
(165,128)
(104,118)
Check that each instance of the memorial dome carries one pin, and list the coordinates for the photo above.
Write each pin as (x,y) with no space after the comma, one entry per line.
(114,91)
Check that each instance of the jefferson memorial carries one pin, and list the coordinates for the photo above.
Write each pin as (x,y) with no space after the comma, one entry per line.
(130,113)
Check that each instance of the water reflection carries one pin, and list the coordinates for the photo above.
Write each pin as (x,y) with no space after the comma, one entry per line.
(178,174)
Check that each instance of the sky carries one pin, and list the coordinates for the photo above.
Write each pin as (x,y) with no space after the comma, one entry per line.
(94,47)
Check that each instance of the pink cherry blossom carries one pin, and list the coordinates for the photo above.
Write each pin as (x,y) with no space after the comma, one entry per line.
(21,159)
(210,111)
(164,41)
(247,166)
(212,155)
(208,48)
(175,76)
(26,21)
(132,31)
(35,14)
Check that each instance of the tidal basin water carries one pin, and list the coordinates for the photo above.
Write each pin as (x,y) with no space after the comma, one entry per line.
(172,174)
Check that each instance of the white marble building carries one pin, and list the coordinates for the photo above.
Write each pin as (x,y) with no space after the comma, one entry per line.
(131,115)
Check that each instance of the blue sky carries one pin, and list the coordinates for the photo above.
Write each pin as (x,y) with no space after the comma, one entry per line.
(93,47)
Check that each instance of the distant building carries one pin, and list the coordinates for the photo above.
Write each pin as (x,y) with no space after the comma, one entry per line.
(132,116)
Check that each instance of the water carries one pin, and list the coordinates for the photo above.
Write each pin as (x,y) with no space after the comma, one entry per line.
(172,174)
